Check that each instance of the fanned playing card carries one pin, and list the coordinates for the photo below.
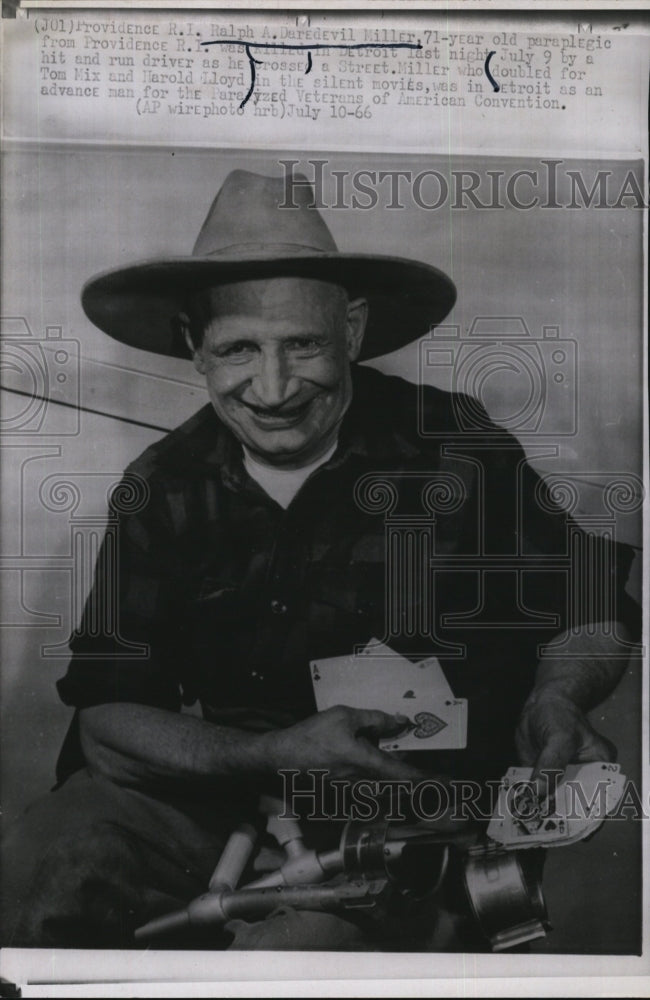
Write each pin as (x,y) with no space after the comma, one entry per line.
(583,797)
(378,678)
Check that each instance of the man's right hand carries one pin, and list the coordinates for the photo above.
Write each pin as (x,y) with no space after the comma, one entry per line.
(341,740)
(143,746)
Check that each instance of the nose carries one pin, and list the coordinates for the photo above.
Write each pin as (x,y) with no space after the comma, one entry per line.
(274,384)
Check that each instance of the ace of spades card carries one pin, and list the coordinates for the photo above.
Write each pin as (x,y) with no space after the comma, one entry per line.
(379,678)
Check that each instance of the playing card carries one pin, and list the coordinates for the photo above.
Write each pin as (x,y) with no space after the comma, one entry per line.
(434,679)
(443,726)
(378,678)
(583,797)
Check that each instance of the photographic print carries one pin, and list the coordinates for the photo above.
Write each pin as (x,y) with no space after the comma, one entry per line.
(324,463)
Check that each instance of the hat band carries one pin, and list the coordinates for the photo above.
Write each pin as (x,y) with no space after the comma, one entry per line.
(267,249)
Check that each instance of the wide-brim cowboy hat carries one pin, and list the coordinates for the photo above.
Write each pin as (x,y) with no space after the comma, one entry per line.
(251,232)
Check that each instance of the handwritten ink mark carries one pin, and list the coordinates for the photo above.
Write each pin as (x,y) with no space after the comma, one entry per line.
(252,61)
(495,85)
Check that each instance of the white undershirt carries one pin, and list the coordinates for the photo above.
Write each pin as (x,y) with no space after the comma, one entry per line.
(282,484)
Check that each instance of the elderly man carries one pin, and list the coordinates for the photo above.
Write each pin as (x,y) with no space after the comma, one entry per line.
(251,556)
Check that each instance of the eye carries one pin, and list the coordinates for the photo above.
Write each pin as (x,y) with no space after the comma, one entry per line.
(304,345)
(237,352)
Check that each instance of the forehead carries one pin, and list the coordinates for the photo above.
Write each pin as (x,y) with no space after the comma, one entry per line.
(272,298)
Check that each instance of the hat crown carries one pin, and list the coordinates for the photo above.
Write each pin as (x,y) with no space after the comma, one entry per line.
(259,228)
(257,214)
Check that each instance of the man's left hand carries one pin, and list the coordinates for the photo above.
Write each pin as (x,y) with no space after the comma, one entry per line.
(552,732)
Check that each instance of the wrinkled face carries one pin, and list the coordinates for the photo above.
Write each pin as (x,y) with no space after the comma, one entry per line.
(276,356)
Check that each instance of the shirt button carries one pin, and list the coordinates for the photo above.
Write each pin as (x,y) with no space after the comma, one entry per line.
(278,608)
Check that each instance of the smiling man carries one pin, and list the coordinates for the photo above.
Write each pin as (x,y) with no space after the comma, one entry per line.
(251,554)
(276,357)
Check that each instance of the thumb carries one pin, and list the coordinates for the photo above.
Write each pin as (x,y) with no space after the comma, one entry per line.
(376,723)
(551,761)
(597,747)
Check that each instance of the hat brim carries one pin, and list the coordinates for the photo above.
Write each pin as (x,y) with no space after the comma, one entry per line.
(137,305)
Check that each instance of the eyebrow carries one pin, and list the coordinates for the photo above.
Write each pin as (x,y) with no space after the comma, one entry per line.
(230,339)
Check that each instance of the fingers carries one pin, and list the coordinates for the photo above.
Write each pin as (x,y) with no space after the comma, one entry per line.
(564,748)
(375,721)
(554,757)
(556,754)
(525,750)
(385,765)
(354,732)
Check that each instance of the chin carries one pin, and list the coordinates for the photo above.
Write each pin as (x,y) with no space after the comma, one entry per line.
(275,444)
(284,452)
(281,450)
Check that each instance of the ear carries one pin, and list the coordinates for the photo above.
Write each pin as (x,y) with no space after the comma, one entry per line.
(355,328)
(197,354)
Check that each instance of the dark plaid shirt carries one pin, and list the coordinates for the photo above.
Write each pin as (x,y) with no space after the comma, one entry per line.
(227,596)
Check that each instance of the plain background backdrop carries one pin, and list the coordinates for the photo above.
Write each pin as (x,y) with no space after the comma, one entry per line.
(69,214)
